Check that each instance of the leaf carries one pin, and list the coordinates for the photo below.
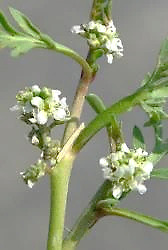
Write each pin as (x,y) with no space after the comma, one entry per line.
(96,103)
(25,24)
(138,139)
(31,37)
(161,69)
(147,220)
(6,25)
(160,173)
(157,86)
(19,44)
(101,10)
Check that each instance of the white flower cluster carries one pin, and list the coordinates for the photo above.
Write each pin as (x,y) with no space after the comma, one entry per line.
(127,169)
(38,105)
(101,36)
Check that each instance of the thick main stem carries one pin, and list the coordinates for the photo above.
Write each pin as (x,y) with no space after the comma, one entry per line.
(87,219)
(59,189)
(78,103)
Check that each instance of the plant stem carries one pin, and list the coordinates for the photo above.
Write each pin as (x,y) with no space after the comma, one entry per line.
(78,103)
(104,119)
(59,187)
(87,219)
(87,71)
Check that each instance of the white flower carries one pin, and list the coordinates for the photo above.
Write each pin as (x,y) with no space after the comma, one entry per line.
(63,102)
(119,54)
(117,191)
(35,140)
(107,173)
(30,183)
(32,120)
(110,45)
(132,165)
(37,102)
(42,117)
(124,148)
(109,58)
(91,25)
(111,27)
(55,95)
(114,45)
(127,169)
(141,188)
(36,89)
(77,29)
(101,28)
(148,167)
(103,162)
(60,114)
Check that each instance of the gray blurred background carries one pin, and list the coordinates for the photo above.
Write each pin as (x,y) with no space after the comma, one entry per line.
(24,213)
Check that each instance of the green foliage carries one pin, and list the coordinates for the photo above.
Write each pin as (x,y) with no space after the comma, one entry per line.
(160,173)
(27,38)
(157,86)
(138,139)
(107,203)
(101,10)
(96,103)
(148,220)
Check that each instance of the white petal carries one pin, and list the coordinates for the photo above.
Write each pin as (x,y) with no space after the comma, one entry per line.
(33,120)
(141,189)
(91,25)
(117,191)
(109,58)
(148,167)
(36,89)
(119,54)
(35,140)
(118,43)
(132,166)
(109,45)
(37,102)
(55,94)
(77,29)
(107,173)
(101,28)
(60,114)
(15,108)
(124,148)
(30,183)
(139,151)
(103,162)
(42,117)
(63,102)
(111,26)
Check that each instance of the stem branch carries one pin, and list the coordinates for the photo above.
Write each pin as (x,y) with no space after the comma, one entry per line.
(87,219)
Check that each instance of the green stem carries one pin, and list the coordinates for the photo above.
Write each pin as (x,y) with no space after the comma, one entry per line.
(59,187)
(104,118)
(147,220)
(87,219)
(87,71)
